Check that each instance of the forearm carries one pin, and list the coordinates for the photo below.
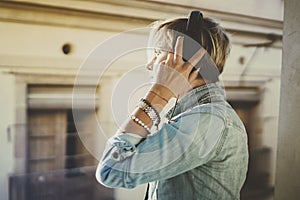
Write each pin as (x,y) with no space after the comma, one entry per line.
(158,96)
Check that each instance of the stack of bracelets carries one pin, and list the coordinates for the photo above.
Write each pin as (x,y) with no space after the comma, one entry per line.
(145,106)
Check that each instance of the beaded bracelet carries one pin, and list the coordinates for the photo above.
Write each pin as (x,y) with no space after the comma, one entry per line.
(145,106)
(139,122)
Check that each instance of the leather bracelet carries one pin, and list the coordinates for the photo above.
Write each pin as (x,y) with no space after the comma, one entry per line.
(159,96)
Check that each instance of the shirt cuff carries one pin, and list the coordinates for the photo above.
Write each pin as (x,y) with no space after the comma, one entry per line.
(132,138)
(123,146)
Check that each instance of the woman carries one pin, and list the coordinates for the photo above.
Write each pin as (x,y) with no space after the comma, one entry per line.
(201,152)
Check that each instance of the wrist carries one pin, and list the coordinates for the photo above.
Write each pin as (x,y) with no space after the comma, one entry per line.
(156,102)
(161,91)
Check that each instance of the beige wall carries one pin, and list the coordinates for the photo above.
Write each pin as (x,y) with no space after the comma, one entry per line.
(7,120)
(269,115)
(34,53)
(249,7)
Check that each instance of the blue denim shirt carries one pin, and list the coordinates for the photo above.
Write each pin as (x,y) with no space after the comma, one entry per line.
(201,153)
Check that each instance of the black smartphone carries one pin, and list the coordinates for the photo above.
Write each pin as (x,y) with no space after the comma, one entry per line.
(191,44)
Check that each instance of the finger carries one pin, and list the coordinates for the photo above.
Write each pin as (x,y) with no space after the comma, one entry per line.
(160,68)
(197,57)
(194,74)
(162,63)
(169,61)
(178,49)
(150,64)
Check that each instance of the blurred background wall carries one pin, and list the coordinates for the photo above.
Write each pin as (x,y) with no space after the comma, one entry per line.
(45,42)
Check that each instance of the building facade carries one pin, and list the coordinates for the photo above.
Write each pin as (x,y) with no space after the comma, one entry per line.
(45,44)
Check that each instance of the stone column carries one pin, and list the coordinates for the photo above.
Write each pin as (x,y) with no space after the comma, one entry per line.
(287,183)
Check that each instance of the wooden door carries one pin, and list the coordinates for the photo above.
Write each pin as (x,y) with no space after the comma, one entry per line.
(80,140)
(46,140)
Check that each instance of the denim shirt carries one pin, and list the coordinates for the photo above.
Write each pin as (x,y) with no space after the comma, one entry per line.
(200,153)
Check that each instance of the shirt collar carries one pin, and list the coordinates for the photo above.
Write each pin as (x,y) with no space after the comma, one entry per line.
(208,93)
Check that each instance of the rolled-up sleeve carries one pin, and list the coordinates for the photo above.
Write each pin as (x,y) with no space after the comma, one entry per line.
(183,144)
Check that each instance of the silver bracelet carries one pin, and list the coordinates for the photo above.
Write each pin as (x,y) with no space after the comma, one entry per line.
(145,106)
(139,122)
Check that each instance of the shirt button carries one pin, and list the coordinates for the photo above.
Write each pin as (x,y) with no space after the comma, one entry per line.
(115,155)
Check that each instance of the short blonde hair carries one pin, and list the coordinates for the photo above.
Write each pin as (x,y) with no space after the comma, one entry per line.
(212,37)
